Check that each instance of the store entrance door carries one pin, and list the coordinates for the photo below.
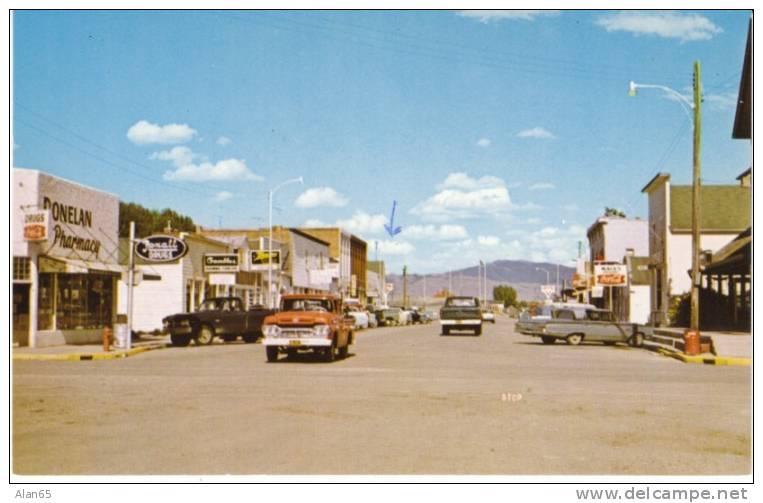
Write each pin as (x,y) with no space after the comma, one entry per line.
(21,314)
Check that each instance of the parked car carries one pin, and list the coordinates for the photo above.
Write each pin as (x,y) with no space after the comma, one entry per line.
(219,316)
(406,317)
(527,319)
(309,322)
(360,317)
(596,325)
(461,313)
(372,323)
(388,316)
(488,316)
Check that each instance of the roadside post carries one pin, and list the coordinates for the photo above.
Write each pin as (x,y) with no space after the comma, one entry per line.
(130,281)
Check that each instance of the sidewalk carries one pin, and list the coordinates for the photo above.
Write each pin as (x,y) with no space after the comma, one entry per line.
(89,351)
(724,348)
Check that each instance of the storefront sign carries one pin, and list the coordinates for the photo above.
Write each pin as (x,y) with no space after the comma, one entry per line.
(161,248)
(579,280)
(221,262)
(259,259)
(222,279)
(611,274)
(597,292)
(36,226)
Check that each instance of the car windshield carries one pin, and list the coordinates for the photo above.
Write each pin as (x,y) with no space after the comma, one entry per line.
(219,305)
(459,302)
(319,305)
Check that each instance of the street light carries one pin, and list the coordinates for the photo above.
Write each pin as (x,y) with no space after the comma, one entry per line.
(686,105)
(547,274)
(270,236)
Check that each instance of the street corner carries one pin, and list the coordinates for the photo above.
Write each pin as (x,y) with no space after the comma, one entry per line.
(707,360)
(114,355)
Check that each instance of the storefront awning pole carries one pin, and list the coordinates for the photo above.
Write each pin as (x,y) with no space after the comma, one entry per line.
(130,281)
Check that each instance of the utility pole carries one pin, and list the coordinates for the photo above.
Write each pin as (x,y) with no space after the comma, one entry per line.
(695,201)
(405,287)
(450,282)
(130,283)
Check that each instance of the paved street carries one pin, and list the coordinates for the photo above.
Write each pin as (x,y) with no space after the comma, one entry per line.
(407,401)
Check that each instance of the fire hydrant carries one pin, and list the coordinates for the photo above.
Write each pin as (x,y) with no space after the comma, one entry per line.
(107,335)
(692,346)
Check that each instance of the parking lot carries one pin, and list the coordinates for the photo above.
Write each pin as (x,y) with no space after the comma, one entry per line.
(406,401)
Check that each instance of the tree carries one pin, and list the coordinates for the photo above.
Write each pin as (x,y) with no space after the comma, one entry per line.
(505,294)
(148,221)
(613,212)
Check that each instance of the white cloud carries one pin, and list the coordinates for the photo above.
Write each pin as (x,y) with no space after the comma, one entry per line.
(223,196)
(483,142)
(146,133)
(389,247)
(488,240)
(224,141)
(536,132)
(542,186)
(225,170)
(461,196)
(320,196)
(555,244)
(685,27)
(724,101)
(486,16)
(363,223)
(434,232)
(314,222)
(179,156)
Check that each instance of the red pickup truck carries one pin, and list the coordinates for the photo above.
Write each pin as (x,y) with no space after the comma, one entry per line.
(309,322)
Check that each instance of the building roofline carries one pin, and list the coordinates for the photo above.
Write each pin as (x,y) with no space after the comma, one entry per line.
(659,177)
(744,173)
(81,185)
(308,236)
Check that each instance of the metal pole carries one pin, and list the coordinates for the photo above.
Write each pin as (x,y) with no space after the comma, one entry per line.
(130,282)
(270,249)
(479,279)
(695,203)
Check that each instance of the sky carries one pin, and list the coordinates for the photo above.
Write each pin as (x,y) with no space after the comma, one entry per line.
(499,134)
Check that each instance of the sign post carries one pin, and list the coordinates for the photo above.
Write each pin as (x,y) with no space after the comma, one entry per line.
(130,282)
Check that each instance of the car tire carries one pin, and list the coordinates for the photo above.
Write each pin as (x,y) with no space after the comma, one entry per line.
(636,340)
(478,331)
(291,353)
(229,338)
(249,338)
(574,339)
(344,350)
(271,352)
(204,336)
(547,339)
(445,331)
(180,341)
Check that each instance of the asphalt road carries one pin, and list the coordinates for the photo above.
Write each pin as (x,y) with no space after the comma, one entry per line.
(406,401)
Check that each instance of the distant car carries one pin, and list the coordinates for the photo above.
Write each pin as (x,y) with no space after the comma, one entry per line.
(388,316)
(488,316)
(372,322)
(360,317)
(461,313)
(406,316)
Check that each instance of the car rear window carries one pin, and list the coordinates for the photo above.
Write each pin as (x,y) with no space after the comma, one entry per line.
(468,302)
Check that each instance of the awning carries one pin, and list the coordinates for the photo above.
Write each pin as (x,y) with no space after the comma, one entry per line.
(734,258)
(79,266)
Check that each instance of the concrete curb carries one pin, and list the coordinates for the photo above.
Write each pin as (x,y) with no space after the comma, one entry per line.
(707,360)
(87,356)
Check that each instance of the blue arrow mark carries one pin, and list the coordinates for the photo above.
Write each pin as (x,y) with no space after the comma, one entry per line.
(391,229)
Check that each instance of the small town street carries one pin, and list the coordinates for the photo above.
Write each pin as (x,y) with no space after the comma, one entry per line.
(406,401)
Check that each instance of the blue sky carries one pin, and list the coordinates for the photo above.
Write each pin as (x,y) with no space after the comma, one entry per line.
(501,135)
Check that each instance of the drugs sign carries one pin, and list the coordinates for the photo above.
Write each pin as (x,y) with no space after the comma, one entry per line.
(161,248)
(36,226)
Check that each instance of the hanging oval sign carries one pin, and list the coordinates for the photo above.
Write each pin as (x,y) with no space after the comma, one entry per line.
(161,248)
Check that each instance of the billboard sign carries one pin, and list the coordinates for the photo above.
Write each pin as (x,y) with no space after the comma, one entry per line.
(611,274)
(161,248)
(259,259)
(221,262)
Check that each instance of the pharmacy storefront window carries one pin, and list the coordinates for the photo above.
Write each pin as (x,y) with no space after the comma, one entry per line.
(84,301)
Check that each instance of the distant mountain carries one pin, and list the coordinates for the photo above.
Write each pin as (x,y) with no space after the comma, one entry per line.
(523,275)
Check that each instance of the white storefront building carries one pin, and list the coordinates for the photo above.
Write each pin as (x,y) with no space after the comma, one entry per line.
(65,240)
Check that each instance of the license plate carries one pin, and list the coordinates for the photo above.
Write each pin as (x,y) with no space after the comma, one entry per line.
(295,343)
(459,322)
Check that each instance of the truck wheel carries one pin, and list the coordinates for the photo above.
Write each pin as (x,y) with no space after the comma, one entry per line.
(180,340)
(344,350)
(478,331)
(574,339)
(636,340)
(329,353)
(291,353)
(205,335)
(272,353)
(445,331)
(547,339)
(249,338)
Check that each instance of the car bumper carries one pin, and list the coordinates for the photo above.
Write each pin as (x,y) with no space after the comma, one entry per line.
(182,330)
(302,342)
(459,323)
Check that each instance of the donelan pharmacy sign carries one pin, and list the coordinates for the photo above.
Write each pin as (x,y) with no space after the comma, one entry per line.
(161,248)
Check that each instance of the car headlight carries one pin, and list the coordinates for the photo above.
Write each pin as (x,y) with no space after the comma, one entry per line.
(271,330)
(322,331)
